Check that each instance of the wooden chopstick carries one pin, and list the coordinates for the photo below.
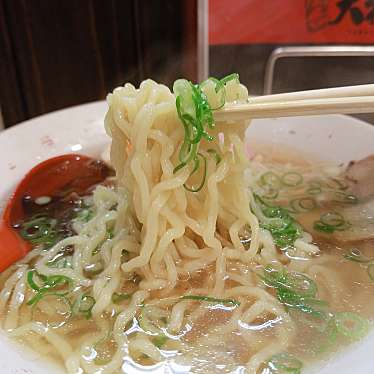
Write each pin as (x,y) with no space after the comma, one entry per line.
(298,107)
(349,91)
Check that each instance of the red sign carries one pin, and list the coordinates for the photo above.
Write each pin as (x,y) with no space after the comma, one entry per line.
(291,21)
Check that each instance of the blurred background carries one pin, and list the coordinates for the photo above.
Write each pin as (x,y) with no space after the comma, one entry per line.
(55,54)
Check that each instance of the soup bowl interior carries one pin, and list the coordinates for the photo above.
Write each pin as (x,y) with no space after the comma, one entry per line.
(335,138)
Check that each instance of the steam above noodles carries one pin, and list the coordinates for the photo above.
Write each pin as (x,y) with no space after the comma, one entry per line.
(171,269)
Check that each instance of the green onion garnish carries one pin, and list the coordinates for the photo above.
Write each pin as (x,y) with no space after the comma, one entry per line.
(30,279)
(295,290)
(196,116)
(315,188)
(356,256)
(194,170)
(292,179)
(351,325)
(271,179)
(85,214)
(83,305)
(330,222)
(283,228)
(211,300)
(303,204)
(345,198)
(40,229)
(159,340)
(119,297)
(52,283)
(285,362)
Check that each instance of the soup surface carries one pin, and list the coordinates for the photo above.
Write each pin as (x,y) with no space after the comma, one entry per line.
(307,294)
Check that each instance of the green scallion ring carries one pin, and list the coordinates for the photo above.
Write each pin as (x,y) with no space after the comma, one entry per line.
(320,226)
(160,340)
(83,305)
(86,304)
(351,325)
(194,170)
(219,88)
(30,280)
(270,193)
(333,219)
(302,284)
(119,297)
(303,204)
(230,77)
(345,198)
(271,179)
(292,179)
(314,190)
(356,256)
(210,299)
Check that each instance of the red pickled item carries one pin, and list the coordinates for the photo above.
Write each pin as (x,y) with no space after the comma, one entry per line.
(69,172)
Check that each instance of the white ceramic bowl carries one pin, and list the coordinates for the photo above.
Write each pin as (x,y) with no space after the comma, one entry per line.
(80,129)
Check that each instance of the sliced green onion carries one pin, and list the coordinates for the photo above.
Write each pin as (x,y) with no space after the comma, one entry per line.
(342,197)
(370,271)
(314,191)
(117,298)
(196,116)
(211,299)
(160,340)
(331,222)
(50,284)
(295,290)
(85,215)
(319,226)
(327,337)
(271,179)
(332,219)
(286,362)
(30,280)
(86,304)
(303,204)
(351,325)
(110,234)
(356,256)
(315,188)
(40,229)
(194,170)
(283,228)
(302,284)
(270,193)
(292,179)
(230,77)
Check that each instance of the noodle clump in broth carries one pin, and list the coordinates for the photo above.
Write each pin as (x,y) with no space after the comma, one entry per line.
(186,263)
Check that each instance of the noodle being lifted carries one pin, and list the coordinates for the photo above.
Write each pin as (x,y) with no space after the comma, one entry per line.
(180,265)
